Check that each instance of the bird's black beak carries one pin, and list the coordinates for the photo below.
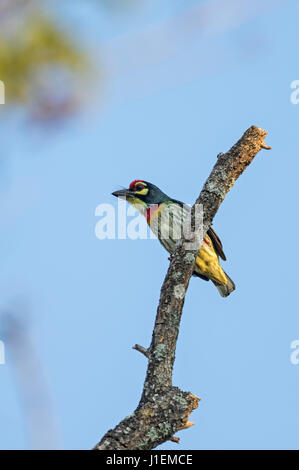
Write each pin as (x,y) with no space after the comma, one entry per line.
(124,193)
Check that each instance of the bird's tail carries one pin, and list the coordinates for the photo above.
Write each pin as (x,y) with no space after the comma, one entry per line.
(225,290)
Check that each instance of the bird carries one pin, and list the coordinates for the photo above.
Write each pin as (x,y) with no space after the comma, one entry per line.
(165,216)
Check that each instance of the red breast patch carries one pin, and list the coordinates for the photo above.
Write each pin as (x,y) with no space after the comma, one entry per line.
(207,241)
(150,212)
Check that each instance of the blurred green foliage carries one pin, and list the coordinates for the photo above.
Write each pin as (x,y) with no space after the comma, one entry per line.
(41,64)
(27,50)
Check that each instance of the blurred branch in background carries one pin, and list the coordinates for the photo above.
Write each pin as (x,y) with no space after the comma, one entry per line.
(32,387)
(162,42)
(119,4)
(48,71)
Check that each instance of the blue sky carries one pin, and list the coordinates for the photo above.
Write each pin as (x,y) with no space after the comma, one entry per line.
(91,300)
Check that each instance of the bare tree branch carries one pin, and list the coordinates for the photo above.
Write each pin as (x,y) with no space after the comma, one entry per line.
(164,409)
(142,350)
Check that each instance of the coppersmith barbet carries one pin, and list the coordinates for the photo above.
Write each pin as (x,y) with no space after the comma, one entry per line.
(166,216)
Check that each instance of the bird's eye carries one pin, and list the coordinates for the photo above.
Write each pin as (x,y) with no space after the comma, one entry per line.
(139,187)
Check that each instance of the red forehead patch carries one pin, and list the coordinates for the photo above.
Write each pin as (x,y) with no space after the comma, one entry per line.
(135,182)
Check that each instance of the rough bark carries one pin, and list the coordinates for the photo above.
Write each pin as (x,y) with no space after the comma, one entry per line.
(164,409)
